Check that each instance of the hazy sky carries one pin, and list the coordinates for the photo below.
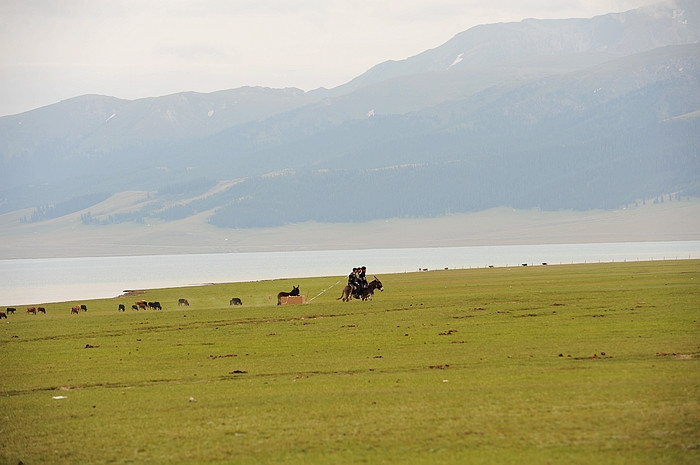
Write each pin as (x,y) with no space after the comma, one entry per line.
(51,50)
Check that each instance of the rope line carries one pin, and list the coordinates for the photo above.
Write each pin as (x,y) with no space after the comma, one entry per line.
(324,291)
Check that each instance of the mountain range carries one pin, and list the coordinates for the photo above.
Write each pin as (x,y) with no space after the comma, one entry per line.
(573,114)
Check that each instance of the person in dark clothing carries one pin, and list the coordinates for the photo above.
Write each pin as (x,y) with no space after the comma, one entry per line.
(352,281)
(362,278)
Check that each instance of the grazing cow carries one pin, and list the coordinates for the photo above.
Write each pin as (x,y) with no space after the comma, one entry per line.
(294,291)
(75,310)
(83,307)
(3,315)
(11,310)
(156,306)
(236,301)
(122,308)
(41,310)
(183,302)
(135,307)
(31,310)
(142,304)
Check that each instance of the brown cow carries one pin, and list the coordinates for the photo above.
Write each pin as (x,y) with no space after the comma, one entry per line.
(3,315)
(31,310)
(75,310)
(183,302)
(41,310)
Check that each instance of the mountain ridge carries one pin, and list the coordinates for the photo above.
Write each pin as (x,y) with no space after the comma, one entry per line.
(553,114)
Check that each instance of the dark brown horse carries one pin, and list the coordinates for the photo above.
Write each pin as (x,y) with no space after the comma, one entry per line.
(364,294)
(293,292)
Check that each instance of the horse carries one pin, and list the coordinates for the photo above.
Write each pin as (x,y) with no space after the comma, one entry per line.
(235,301)
(364,294)
(293,292)
(347,293)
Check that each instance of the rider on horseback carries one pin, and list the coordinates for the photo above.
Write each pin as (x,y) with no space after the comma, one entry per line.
(360,282)
(353,281)
(362,279)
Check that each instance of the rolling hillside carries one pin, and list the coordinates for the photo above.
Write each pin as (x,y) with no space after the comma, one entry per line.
(576,114)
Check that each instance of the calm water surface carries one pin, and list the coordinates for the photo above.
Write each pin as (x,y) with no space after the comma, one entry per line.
(31,281)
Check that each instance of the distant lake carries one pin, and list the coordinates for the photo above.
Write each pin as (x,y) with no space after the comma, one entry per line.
(31,281)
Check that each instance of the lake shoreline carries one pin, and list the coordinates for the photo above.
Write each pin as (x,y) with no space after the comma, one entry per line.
(27,281)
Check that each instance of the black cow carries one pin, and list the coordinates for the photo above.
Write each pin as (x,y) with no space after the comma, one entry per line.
(156,306)
(236,301)
(11,310)
(83,307)
(122,308)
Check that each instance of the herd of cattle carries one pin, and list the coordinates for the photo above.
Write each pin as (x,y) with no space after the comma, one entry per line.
(138,305)
(32,310)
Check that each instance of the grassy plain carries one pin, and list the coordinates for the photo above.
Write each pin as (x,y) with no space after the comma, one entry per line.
(573,364)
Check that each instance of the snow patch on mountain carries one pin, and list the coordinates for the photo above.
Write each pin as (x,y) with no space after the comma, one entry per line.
(459,58)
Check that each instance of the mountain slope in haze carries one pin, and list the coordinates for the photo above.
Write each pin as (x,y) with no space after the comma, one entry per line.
(555,114)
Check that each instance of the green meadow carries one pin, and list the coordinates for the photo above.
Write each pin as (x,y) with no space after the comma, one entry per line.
(565,364)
